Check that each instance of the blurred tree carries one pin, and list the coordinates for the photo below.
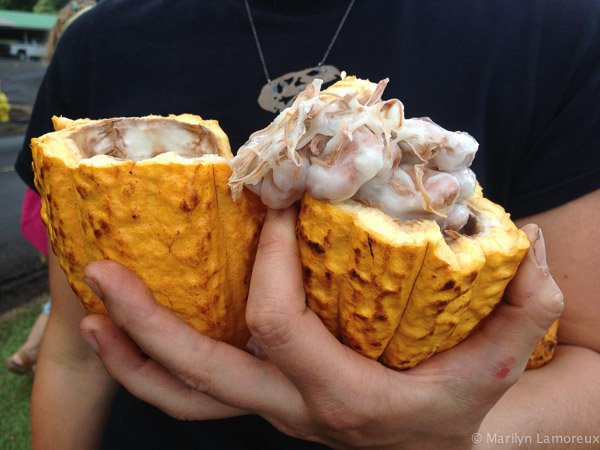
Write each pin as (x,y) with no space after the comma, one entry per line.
(48,6)
(18,5)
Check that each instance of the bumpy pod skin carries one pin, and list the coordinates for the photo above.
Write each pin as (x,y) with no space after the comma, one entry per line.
(441,293)
(398,291)
(544,351)
(358,275)
(169,219)
(504,247)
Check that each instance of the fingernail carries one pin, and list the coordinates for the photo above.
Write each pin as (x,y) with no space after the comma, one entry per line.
(539,250)
(90,338)
(94,287)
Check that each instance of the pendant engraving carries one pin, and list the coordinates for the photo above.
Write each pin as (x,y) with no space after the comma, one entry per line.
(281,92)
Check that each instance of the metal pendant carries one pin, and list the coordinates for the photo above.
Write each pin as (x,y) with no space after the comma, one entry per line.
(281,92)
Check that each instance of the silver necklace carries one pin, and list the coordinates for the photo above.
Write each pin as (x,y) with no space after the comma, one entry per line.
(280,93)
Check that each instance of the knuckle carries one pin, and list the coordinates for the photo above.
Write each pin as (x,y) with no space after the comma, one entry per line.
(555,302)
(131,321)
(271,247)
(551,307)
(200,378)
(272,329)
(335,416)
(200,383)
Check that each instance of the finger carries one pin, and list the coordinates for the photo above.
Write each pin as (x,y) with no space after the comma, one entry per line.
(550,302)
(500,348)
(219,370)
(145,378)
(289,333)
(532,302)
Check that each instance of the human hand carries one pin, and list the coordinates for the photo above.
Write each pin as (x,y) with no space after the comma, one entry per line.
(309,385)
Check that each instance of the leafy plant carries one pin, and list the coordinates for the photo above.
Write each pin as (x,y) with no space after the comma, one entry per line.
(15,391)
(48,6)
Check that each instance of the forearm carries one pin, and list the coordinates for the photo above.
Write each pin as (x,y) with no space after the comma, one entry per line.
(70,402)
(549,407)
(72,391)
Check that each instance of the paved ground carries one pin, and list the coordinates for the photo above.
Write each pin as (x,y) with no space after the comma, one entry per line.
(22,273)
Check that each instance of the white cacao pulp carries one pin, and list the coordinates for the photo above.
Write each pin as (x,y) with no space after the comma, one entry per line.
(347,143)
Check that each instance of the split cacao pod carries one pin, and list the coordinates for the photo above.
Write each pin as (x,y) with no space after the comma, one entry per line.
(393,291)
(151,193)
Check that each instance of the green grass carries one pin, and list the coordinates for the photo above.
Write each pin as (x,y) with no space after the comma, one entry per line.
(15,390)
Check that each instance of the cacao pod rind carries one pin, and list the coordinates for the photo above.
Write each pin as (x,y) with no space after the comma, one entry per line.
(171,220)
(400,291)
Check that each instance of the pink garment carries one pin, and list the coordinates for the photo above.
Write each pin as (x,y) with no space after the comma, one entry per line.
(32,227)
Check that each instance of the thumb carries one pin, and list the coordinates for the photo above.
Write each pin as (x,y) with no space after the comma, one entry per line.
(532,302)
(276,290)
(501,347)
(533,287)
(289,334)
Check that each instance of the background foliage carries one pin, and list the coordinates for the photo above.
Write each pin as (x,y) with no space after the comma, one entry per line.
(15,390)
(37,6)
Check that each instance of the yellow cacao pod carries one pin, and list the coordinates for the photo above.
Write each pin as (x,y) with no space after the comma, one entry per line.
(151,193)
(399,292)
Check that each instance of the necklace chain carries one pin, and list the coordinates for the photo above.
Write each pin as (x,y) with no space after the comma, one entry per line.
(260,52)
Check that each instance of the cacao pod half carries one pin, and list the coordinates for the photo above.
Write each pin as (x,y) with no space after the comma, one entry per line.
(402,255)
(151,193)
(400,291)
